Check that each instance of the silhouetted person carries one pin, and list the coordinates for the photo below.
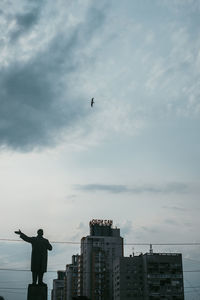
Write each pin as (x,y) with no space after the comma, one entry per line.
(39,255)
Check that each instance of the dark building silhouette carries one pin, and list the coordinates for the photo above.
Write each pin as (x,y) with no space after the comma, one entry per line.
(101,272)
(71,282)
(149,276)
(98,251)
(58,291)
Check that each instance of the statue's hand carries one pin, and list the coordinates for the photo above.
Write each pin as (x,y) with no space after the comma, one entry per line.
(18,232)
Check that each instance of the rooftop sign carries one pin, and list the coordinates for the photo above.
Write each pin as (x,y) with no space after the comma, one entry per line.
(101,222)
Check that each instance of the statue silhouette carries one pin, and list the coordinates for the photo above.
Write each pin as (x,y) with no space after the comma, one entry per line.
(39,255)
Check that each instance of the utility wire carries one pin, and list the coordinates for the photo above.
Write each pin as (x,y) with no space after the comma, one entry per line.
(195,290)
(114,243)
(192,259)
(21,288)
(110,271)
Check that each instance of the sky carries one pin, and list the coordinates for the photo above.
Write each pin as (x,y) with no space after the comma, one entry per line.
(132,158)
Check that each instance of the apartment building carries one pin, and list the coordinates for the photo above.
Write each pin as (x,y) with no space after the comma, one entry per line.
(98,252)
(149,276)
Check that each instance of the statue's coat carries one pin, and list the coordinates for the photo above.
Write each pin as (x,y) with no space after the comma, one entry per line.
(39,255)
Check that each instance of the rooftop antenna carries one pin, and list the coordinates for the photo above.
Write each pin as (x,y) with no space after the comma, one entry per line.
(151,249)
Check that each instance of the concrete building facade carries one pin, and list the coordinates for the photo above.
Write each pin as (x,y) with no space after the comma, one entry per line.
(163,276)
(98,252)
(71,284)
(149,276)
(128,278)
(58,292)
(101,272)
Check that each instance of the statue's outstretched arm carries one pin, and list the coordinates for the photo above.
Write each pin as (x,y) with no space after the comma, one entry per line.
(18,232)
(24,237)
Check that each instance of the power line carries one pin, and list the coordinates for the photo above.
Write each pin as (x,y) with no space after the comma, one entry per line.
(13,292)
(21,288)
(192,259)
(114,243)
(22,270)
(192,287)
(53,271)
(195,290)
(11,288)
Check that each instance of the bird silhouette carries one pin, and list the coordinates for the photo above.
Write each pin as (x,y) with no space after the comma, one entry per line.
(92,102)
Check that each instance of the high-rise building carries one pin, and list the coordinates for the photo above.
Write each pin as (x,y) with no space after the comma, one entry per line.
(163,276)
(151,276)
(101,272)
(71,288)
(80,275)
(57,292)
(98,252)
(128,278)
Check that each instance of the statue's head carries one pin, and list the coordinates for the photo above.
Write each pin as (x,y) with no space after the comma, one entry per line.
(40,232)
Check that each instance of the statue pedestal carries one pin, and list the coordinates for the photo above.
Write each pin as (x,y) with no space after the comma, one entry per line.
(37,292)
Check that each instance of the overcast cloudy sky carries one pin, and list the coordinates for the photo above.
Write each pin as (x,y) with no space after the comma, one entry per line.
(133,158)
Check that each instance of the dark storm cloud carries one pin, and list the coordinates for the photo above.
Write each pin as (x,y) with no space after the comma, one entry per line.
(36,105)
(169,188)
(31,110)
(27,20)
(24,22)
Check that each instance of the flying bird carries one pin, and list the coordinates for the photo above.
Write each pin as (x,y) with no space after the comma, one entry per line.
(92,102)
